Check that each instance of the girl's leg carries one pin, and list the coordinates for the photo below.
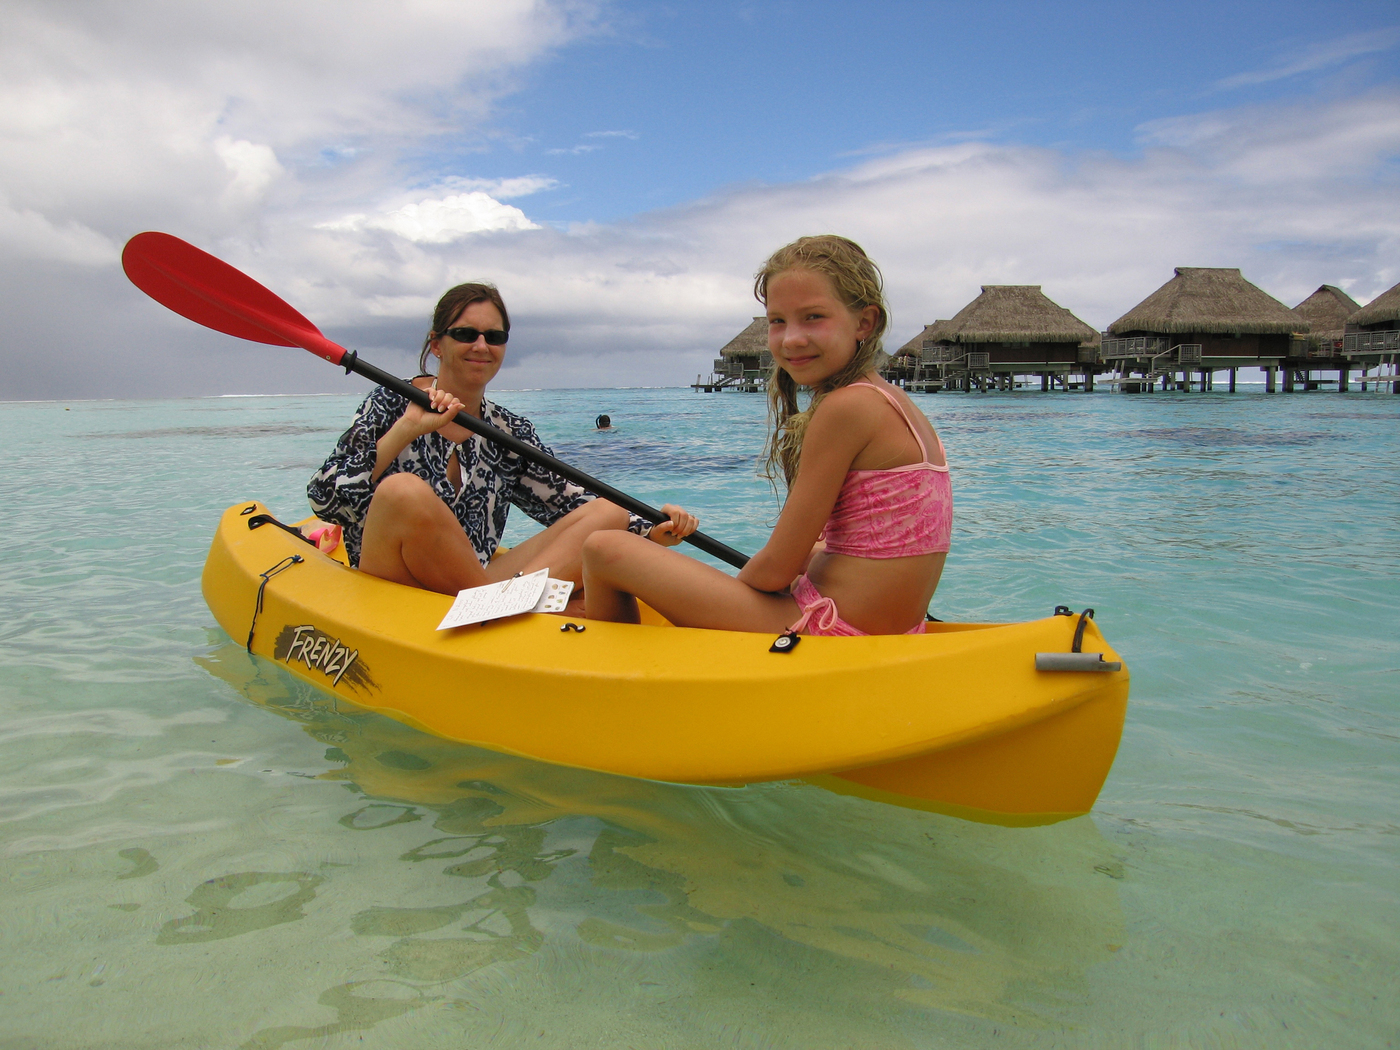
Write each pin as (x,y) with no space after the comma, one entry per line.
(619,568)
(412,537)
(559,548)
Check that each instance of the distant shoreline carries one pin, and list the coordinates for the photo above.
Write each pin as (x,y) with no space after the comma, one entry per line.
(1241,387)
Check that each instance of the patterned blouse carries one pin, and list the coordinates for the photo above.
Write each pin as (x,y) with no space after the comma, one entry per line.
(492,478)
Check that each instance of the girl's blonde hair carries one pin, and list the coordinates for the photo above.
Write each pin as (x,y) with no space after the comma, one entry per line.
(858,284)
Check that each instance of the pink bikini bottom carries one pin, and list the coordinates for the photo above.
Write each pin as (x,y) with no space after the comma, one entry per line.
(819,615)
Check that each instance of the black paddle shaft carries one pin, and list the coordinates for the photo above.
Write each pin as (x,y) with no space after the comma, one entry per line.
(708,544)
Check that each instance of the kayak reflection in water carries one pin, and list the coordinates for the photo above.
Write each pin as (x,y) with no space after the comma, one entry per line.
(862,537)
(424,501)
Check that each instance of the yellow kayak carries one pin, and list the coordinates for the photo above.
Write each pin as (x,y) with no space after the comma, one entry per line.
(958,720)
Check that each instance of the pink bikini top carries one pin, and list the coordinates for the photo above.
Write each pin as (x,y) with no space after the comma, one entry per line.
(896,513)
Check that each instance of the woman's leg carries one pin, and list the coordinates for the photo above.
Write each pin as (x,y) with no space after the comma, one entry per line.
(412,537)
(619,568)
(559,548)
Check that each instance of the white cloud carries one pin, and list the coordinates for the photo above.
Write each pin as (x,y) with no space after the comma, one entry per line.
(119,115)
(1295,145)
(1320,56)
(589,147)
(254,168)
(440,221)
(504,189)
(298,71)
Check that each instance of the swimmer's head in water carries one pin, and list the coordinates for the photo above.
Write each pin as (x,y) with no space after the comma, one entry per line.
(603,422)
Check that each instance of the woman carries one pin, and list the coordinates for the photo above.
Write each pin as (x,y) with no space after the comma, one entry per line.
(424,501)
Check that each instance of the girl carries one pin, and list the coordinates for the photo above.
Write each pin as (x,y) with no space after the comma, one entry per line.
(864,531)
(423,501)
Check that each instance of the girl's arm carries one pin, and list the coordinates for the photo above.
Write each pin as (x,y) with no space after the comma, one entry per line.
(843,425)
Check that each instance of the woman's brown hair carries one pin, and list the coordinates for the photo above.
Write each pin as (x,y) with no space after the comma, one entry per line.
(858,283)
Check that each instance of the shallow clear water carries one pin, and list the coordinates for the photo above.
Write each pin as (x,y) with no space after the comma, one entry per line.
(199,850)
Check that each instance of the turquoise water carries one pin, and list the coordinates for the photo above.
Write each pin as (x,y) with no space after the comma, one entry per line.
(199,850)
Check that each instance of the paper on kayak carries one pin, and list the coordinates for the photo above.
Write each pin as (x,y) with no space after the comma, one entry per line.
(533,593)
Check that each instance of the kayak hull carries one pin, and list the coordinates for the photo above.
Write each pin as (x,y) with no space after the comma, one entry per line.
(957,720)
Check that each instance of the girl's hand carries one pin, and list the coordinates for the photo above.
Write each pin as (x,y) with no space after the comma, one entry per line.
(669,533)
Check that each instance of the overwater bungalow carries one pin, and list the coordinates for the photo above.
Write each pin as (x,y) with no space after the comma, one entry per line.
(1204,319)
(743,362)
(1372,338)
(1326,311)
(917,364)
(1381,314)
(1013,330)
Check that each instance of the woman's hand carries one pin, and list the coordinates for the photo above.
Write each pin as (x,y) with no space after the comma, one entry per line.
(418,421)
(414,423)
(678,527)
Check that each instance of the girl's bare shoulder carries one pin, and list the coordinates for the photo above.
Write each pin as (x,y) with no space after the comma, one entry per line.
(850,403)
(864,412)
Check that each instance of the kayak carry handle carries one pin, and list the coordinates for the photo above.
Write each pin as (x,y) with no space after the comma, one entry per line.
(1075,662)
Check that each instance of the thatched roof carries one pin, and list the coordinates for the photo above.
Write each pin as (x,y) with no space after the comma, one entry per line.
(1384,307)
(751,342)
(912,348)
(1012,313)
(1327,310)
(1213,300)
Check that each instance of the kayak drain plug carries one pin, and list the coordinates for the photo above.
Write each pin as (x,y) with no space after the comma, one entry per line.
(785,642)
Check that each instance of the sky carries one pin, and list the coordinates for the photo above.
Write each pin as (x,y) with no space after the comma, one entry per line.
(620,169)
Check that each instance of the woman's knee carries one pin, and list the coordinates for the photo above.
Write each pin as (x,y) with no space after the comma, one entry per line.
(402,485)
(405,495)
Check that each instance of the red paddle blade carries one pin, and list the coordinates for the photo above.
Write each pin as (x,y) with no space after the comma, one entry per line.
(210,292)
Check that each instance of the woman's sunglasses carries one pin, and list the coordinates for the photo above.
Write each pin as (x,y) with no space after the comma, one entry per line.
(494,336)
